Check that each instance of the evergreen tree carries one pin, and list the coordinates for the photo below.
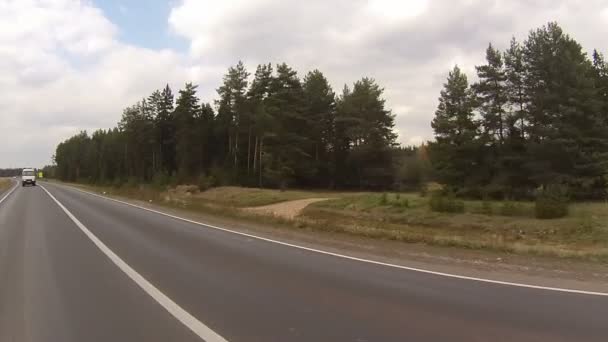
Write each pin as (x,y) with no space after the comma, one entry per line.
(491,96)
(455,152)
(320,110)
(366,126)
(233,112)
(186,110)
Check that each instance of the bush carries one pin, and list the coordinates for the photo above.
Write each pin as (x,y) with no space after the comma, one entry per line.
(160,180)
(446,203)
(384,199)
(509,208)
(423,190)
(206,182)
(552,202)
(486,208)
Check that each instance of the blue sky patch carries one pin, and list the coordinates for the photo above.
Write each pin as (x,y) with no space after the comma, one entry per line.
(143,23)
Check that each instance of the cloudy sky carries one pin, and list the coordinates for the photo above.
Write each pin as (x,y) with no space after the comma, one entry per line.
(68,65)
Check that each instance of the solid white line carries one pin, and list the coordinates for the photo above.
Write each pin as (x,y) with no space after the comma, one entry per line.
(200,329)
(449,275)
(9,193)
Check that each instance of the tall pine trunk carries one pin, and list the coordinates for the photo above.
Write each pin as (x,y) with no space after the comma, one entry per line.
(261,151)
(248,149)
(255,154)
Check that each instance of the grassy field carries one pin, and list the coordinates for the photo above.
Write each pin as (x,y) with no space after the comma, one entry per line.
(250,197)
(500,226)
(505,226)
(5,183)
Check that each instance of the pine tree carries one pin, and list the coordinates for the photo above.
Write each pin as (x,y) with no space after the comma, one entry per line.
(455,152)
(286,144)
(319,110)
(186,110)
(567,134)
(233,113)
(515,74)
(165,130)
(491,96)
(261,123)
(367,127)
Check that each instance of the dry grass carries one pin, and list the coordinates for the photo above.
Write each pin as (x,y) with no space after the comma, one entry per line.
(250,197)
(5,183)
(584,233)
(407,217)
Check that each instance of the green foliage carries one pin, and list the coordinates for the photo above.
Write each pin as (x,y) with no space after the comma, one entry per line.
(509,208)
(160,180)
(445,203)
(403,203)
(384,199)
(206,182)
(542,108)
(454,153)
(552,202)
(276,130)
(486,208)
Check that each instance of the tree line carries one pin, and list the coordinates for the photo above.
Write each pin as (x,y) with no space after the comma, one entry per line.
(10,172)
(536,116)
(267,129)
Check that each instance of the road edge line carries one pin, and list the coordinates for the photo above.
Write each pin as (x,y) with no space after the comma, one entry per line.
(9,193)
(191,322)
(380,263)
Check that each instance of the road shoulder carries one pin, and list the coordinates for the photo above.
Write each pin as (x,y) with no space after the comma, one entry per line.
(527,269)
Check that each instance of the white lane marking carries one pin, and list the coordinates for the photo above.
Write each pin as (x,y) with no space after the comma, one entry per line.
(443,274)
(9,193)
(200,329)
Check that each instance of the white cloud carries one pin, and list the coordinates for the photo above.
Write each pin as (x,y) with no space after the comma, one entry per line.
(63,68)
(407,45)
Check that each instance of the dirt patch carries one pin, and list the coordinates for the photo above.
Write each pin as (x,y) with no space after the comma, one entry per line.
(288,210)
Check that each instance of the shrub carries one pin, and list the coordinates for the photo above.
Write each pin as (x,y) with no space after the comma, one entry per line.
(384,198)
(486,208)
(423,190)
(446,203)
(552,202)
(509,208)
(206,182)
(160,180)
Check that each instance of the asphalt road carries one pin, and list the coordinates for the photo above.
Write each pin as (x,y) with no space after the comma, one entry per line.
(57,284)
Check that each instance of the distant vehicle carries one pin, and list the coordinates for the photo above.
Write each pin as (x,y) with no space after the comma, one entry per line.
(28,176)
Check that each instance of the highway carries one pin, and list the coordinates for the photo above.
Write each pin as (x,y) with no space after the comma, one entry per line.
(76,267)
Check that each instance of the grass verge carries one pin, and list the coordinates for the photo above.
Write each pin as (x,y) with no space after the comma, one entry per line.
(5,183)
(497,226)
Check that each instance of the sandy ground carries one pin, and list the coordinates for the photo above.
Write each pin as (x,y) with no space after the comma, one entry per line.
(288,209)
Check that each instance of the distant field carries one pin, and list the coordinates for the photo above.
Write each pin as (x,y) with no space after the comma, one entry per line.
(500,226)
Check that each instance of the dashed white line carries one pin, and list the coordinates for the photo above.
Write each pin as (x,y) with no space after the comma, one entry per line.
(442,274)
(200,329)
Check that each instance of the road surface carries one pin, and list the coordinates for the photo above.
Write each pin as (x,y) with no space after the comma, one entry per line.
(172,280)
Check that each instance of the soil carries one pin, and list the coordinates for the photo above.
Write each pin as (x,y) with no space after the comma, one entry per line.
(287,210)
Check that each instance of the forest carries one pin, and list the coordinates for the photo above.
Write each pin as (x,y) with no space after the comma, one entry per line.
(276,131)
(534,116)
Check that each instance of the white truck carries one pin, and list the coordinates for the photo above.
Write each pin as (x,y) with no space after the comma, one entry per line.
(28,176)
